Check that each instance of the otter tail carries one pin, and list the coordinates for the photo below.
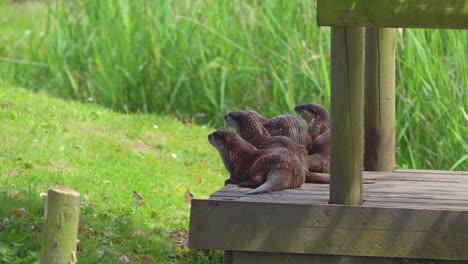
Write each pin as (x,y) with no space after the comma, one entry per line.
(276,180)
(311,177)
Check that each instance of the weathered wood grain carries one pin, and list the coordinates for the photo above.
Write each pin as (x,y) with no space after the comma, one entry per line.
(347,116)
(404,215)
(329,229)
(238,257)
(449,14)
(380,100)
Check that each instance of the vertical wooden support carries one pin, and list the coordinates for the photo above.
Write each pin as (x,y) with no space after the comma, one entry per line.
(347,117)
(380,100)
(61,216)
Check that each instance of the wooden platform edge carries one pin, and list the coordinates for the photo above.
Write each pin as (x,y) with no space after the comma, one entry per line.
(447,14)
(329,230)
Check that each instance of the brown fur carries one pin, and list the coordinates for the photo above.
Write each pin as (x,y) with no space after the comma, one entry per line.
(316,117)
(318,121)
(265,170)
(289,126)
(255,133)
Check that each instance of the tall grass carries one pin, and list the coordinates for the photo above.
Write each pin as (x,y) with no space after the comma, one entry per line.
(204,58)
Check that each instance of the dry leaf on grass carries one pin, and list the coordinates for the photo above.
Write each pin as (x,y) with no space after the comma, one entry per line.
(188,197)
(137,195)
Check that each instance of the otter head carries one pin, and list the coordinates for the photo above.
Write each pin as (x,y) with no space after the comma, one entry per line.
(316,116)
(311,112)
(284,125)
(223,140)
(236,119)
(248,125)
(235,153)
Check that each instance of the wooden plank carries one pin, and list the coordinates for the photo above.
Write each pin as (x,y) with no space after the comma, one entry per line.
(243,257)
(429,172)
(382,201)
(449,14)
(329,229)
(380,100)
(346,113)
(459,197)
(374,189)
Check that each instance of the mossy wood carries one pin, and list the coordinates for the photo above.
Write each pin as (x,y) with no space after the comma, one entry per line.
(449,14)
(347,106)
(380,100)
(61,215)
(329,229)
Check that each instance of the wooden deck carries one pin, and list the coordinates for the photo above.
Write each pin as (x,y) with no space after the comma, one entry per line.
(406,215)
(401,189)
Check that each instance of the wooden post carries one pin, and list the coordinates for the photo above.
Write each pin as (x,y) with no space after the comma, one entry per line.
(347,128)
(61,216)
(380,100)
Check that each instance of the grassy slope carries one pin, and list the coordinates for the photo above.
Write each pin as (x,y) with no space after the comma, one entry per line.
(199,59)
(106,157)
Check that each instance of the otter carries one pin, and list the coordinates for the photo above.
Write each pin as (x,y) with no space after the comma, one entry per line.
(283,125)
(318,121)
(316,117)
(250,129)
(319,160)
(289,126)
(271,169)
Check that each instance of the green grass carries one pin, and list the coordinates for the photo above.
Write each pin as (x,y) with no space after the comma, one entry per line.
(106,157)
(202,59)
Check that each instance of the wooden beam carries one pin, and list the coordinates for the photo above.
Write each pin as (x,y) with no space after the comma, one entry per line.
(242,257)
(329,230)
(347,92)
(449,14)
(380,100)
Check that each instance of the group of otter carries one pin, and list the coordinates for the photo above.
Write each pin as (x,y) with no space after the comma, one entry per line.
(278,153)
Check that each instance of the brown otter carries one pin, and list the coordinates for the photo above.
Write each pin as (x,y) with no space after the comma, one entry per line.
(316,117)
(318,121)
(289,126)
(255,133)
(319,160)
(271,169)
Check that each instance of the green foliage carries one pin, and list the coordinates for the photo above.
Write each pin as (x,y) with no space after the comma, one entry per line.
(132,177)
(204,58)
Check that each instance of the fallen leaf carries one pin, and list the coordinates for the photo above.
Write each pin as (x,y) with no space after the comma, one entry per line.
(139,203)
(197,178)
(180,237)
(188,197)
(12,173)
(5,104)
(139,233)
(144,258)
(21,213)
(187,121)
(99,253)
(124,259)
(137,195)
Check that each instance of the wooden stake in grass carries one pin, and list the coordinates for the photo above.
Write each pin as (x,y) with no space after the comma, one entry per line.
(347,117)
(61,215)
(380,99)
